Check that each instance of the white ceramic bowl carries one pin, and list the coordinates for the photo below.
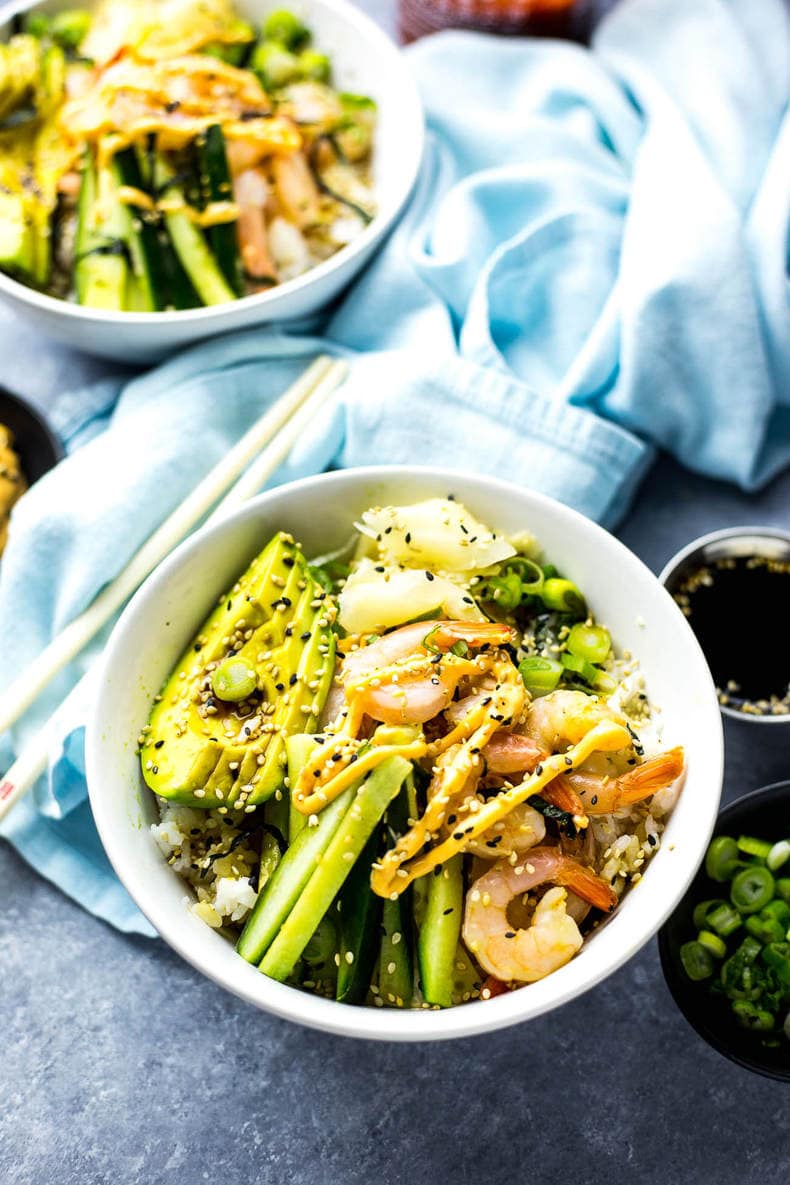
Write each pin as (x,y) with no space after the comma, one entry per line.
(365,61)
(319,512)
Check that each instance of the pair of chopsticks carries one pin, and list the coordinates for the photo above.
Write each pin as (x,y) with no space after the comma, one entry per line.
(237,477)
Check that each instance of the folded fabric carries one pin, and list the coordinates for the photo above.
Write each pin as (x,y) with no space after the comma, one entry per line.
(594,263)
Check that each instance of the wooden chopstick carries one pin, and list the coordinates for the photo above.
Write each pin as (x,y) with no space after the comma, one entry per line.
(295,410)
(15,701)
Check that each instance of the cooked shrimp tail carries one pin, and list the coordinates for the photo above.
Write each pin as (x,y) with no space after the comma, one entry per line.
(601,796)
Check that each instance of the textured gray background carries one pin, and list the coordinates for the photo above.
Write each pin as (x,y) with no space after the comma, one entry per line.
(118,1063)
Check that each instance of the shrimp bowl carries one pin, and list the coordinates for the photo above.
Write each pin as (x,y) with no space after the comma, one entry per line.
(404,754)
(171,170)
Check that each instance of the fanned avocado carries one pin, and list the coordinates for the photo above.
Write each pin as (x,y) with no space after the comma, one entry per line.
(209,752)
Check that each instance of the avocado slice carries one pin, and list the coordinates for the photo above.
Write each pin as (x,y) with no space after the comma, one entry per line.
(207,753)
(17,242)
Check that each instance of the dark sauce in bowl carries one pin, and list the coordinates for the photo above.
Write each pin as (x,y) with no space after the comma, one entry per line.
(739,608)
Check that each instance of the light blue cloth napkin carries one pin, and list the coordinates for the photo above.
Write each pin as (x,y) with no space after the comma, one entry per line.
(594,263)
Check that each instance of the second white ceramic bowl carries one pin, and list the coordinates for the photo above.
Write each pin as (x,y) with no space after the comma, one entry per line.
(365,61)
(319,512)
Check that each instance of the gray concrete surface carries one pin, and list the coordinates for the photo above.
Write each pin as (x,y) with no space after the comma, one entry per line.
(118,1063)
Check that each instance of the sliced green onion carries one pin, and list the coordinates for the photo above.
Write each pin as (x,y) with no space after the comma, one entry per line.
(697,961)
(778,855)
(592,642)
(749,949)
(721,860)
(505,591)
(752,888)
(724,920)
(549,572)
(777,909)
(460,649)
(529,573)
(540,675)
(704,909)
(428,641)
(752,1017)
(563,596)
(604,682)
(765,929)
(581,667)
(783,888)
(712,943)
(754,847)
(776,955)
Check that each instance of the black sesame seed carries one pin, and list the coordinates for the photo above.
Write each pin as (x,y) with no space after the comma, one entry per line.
(593,800)
(198,647)
(510,933)
(289,633)
(155,769)
(294,679)
(280,686)
(458,835)
(445,912)
(538,770)
(305,637)
(159,744)
(451,819)
(230,605)
(407,537)
(429,576)
(651,839)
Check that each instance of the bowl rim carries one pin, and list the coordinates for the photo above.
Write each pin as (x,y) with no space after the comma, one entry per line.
(38,421)
(475,1017)
(708,1033)
(384,218)
(676,562)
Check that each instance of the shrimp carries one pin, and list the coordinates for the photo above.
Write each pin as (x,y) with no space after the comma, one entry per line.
(601,795)
(521,829)
(552,938)
(251,191)
(397,678)
(295,188)
(607,781)
(509,753)
(562,718)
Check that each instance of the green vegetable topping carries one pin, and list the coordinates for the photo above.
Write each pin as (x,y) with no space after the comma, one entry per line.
(697,960)
(282,26)
(540,675)
(721,860)
(234,679)
(754,977)
(590,642)
(563,596)
(751,889)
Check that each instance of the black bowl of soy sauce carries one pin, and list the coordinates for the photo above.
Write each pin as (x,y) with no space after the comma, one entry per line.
(734,588)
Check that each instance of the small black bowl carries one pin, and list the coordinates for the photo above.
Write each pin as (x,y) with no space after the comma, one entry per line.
(37,445)
(765,814)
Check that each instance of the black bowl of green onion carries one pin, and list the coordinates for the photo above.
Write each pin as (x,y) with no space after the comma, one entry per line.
(725,951)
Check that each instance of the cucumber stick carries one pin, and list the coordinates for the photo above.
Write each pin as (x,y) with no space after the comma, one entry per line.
(298,749)
(148,289)
(395,976)
(218,187)
(360,920)
(440,931)
(367,807)
(189,242)
(290,877)
(101,271)
(396,970)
